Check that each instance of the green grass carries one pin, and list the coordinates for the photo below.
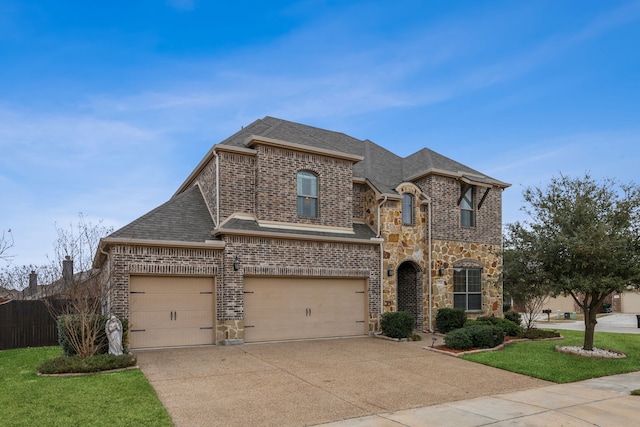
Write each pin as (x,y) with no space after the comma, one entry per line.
(538,358)
(118,398)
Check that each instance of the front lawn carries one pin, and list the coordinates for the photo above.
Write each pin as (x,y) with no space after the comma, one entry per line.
(538,358)
(118,398)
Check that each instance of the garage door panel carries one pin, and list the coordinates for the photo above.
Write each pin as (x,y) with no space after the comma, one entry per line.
(171,311)
(171,285)
(159,337)
(172,320)
(294,308)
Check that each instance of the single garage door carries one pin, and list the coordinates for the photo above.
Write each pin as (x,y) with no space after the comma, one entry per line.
(295,308)
(171,311)
(630,302)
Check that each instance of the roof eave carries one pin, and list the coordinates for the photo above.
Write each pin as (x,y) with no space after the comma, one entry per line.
(460,175)
(293,236)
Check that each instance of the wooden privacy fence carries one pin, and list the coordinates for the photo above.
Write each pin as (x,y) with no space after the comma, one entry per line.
(26,324)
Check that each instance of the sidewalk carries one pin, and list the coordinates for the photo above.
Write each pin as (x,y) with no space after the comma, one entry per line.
(600,401)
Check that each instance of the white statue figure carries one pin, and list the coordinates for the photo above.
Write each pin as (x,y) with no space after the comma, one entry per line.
(114,334)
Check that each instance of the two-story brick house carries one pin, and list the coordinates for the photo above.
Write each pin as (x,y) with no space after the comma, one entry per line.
(286,231)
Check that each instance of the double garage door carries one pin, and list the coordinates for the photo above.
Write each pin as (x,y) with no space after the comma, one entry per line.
(296,308)
(171,311)
(179,311)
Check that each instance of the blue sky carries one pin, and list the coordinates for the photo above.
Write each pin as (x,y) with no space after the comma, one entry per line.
(105,107)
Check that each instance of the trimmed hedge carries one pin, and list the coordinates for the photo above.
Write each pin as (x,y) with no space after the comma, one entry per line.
(459,339)
(70,324)
(97,363)
(514,316)
(397,324)
(512,329)
(536,334)
(474,334)
(448,319)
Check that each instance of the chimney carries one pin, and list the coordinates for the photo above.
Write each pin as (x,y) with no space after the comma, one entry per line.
(67,270)
(33,283)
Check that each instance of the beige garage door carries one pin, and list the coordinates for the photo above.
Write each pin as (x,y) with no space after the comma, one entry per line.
(171,311)
(295,308)
(630,302)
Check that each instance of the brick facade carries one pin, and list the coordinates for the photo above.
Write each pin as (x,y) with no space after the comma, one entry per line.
(261,181)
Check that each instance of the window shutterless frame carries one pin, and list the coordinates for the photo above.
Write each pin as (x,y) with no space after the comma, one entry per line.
(467,288)
(307,188)
(407,209)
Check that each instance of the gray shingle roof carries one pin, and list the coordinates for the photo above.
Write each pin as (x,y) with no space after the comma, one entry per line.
(184,218)
(361,231)
(384,169)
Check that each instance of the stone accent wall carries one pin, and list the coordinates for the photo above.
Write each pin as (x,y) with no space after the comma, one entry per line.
(444,193)
(467,254)
(276,187)
(404,243)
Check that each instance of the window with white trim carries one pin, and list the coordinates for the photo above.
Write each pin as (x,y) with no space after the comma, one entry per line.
(307,194)
(467,289)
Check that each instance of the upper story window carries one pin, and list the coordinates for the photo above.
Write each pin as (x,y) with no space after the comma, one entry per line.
(307,194)
(407,209)
(467,214)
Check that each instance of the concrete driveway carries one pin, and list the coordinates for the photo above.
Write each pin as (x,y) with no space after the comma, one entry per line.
(312,382)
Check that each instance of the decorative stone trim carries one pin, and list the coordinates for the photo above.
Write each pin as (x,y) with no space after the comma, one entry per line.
(174,269)
(468,263)
(258,270)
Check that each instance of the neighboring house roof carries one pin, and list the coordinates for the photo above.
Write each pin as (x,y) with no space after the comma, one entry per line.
(184,218)
(384,169)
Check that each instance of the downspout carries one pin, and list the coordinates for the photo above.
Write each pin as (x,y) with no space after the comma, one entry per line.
(381,256)
(430,268)
(106,254)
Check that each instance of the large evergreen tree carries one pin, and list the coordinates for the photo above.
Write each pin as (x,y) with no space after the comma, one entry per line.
(582,240)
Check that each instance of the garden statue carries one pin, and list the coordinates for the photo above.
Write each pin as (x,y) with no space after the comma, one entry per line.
(114,334)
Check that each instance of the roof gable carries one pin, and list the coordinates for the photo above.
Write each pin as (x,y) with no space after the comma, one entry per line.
(184,218)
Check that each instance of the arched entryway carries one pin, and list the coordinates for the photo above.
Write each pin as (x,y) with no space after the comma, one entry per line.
(409,281)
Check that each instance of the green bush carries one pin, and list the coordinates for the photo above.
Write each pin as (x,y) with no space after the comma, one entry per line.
(537,334)
(75,364)
(507,325)
(69,325)
(459,339)
(397,324)
(514,316)
(485,336)
(448,319)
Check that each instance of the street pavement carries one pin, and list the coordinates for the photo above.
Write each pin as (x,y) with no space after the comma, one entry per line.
(616,322)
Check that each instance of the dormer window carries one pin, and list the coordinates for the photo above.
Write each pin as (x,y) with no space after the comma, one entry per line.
(407,209)
(307,194)
(467,218)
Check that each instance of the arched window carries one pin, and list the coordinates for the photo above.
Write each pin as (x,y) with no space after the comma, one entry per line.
(307,194)
(407,209)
